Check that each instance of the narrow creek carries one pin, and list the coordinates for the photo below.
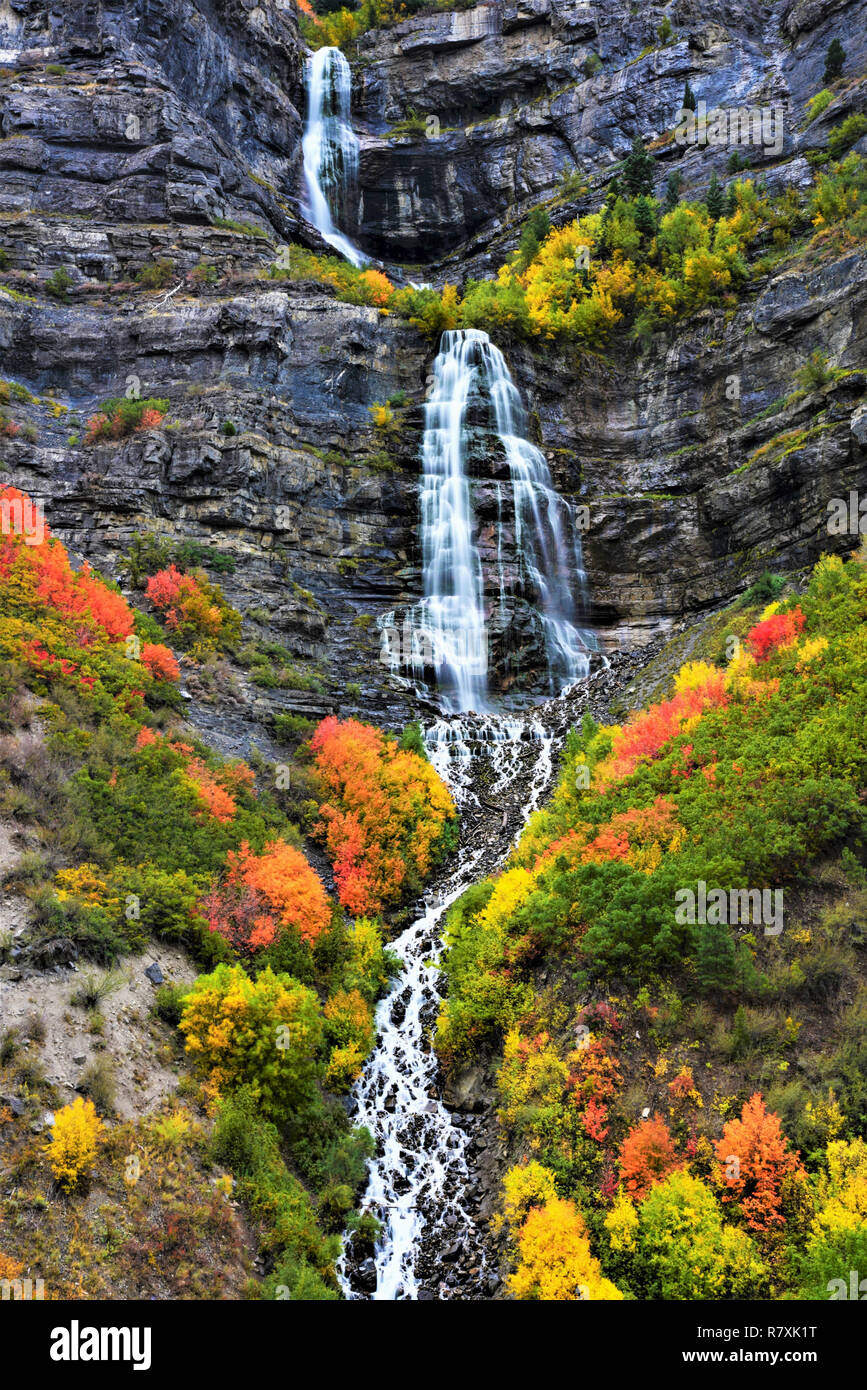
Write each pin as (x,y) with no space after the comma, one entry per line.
(421,1183)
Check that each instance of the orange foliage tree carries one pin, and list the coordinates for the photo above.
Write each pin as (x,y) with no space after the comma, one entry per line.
(647,1155)
(753,1159)
(385,814)
(38,570)
(264,893)
(160,662)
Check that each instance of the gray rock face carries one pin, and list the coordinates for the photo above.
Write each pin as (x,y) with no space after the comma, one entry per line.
(514,95)
(195,114)
(695,474)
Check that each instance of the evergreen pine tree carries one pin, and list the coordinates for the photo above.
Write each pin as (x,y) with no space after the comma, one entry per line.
(688,103)
(638,170)
(645,216)
(672,191)
(715,201)
(834,60)
(533,233)
(715,958)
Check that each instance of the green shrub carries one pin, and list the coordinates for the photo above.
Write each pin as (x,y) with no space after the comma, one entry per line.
(99,1082)
(95,989)
(292,728)
(58,283)
(119,416)
(819,103)
(168,1003)
(815,372)
(411,740)
(155,275)
(765,589)
(842,137)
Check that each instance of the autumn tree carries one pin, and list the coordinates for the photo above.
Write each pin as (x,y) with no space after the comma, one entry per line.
(674,1245)
(264,893)
(647,1155)
(753,1161)
(837,1241)
(385,816)
(74,1142)
(554,1259)
(264,1033)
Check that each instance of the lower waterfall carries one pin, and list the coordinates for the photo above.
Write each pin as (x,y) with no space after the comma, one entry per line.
(476,425)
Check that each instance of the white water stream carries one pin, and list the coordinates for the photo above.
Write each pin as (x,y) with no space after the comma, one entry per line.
(418,1178)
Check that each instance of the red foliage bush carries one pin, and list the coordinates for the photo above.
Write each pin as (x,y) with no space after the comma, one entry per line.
(160,662)
(647,732)
(776,631)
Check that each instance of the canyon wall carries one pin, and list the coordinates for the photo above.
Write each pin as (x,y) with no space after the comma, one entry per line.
(169,132)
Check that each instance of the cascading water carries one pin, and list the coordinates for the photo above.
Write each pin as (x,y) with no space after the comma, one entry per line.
(433,1238)
(420,1181)
(452,611)
(330,146)
(448,631)
(546,537)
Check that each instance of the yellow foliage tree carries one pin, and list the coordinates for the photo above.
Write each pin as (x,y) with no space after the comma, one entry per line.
(74,1142)
(554,1259)
(525,1186)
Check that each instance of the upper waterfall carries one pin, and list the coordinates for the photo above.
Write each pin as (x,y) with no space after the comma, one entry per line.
(476,457)
(330,146)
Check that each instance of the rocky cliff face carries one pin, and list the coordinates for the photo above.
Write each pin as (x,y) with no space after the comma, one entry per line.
(515,95)
(168,131)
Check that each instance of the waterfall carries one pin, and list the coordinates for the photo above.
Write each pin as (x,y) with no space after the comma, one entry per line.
(450,630)
(330,146)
